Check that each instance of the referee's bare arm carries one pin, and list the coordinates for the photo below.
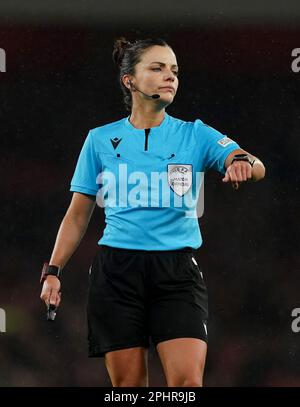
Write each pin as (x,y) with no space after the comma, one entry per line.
(241,171)
(70,233)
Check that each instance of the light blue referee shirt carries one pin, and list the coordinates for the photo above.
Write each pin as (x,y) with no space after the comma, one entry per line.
(148,181)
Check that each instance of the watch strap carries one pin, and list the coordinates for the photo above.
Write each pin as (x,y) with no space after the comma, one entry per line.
(243,157)
(49,270)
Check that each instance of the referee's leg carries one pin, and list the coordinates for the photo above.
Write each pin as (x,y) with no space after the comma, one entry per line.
(183,361)
(128,367)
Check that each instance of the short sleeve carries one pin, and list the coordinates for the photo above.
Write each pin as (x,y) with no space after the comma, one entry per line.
(87,168)
(214,146)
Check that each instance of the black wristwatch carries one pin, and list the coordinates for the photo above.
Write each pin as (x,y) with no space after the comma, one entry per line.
(49,270)
(243,157)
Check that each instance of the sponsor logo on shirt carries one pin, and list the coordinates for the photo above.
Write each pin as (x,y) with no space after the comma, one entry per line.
(225,141)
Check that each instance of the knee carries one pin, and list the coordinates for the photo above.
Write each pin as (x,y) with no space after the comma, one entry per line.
(192,382)
(131,382)
(186,381)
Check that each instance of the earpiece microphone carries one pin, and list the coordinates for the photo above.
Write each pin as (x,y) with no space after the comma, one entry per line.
(155,96)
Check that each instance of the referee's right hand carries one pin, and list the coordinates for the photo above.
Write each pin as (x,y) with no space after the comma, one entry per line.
(51,291)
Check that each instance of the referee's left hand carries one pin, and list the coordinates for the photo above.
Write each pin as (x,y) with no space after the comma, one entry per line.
(238,172)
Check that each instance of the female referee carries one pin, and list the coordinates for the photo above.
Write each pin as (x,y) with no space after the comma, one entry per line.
(144,281)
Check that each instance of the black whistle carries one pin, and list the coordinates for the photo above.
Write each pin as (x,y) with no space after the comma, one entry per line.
(51,312)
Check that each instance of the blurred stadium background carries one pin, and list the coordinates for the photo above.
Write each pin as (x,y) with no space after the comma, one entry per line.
(235,61)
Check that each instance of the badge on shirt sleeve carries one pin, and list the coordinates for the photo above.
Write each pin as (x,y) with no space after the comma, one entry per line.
(180,177)
(225,141)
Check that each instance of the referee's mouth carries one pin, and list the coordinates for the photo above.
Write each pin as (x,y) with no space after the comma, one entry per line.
(167,88)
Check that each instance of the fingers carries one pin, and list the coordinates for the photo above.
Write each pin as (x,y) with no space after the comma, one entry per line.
(58,299)
(54,297)
(51,296)
(226,178)
(45,295)
(232,175)
(237,173)
(246,172)
(249,172)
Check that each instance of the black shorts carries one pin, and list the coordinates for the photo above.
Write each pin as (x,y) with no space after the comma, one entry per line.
(135,295)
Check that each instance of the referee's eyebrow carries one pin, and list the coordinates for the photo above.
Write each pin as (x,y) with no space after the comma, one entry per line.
(163,64)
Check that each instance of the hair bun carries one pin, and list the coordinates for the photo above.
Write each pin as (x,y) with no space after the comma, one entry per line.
(120,46)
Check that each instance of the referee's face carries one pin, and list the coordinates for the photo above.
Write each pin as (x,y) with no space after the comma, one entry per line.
(157,72)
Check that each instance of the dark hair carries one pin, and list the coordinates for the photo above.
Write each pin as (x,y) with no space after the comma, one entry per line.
(126,55)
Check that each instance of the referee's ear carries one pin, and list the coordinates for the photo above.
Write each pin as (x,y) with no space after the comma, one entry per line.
(126,79)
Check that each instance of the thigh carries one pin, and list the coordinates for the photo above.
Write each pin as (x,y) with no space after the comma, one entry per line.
(128,367)
(178,306)
(183,361)
(116,309)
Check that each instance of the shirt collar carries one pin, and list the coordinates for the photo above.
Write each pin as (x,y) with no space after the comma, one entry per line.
(132,128)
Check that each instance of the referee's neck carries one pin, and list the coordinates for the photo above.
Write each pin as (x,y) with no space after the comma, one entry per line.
(142,119)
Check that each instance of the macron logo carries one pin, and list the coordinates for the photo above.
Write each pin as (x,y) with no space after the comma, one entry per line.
(115,142)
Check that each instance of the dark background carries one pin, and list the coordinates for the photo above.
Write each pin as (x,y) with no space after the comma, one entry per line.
(236,76)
